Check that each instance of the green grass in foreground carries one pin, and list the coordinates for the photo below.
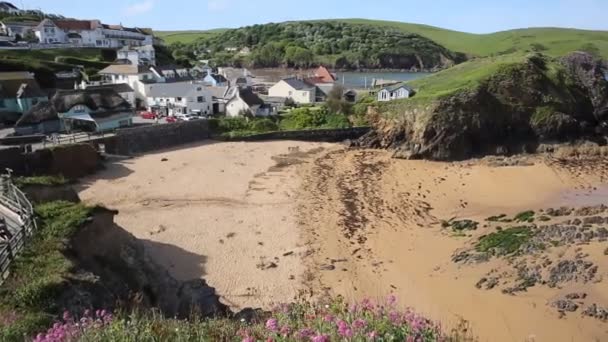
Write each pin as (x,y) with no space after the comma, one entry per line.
(40,180)
(37,275)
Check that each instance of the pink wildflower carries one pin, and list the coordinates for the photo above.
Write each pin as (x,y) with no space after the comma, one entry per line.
(372,335)
(248,339)
(359,324)
(306,332)
(320,338)
(272,325)
(328,318)
(391,300)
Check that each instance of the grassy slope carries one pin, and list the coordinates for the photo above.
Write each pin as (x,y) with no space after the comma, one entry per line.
(558,41)
(467,75)
(186,36)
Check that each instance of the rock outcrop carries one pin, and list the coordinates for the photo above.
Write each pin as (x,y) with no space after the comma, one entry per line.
(517,107)
(112,270)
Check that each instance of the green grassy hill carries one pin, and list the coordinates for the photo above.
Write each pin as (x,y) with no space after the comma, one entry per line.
(186,37)
(550,41)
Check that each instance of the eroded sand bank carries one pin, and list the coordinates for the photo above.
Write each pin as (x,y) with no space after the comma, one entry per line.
(221,211)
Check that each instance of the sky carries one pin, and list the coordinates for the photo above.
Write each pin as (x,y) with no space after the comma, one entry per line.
(475,16)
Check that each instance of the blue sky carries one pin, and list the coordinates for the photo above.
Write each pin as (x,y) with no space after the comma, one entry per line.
(478,16)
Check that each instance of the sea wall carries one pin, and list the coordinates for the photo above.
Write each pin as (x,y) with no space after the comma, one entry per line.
(324,135)
(71,161)
(155,137)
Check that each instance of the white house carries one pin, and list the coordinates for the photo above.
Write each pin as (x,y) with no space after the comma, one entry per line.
(20,29)
(139,55)
(396,92)
(82,32)
(245,101)
(7,7)
(48,33)
(136,76)
(295,89)
(215,80)
(179,98)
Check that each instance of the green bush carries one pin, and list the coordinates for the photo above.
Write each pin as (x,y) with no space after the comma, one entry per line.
(504,242)
(263,125)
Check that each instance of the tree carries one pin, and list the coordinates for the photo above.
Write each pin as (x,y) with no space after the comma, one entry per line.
(296,56)
(335,102)
(269,55)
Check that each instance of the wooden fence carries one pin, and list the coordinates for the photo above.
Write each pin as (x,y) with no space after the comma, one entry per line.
(18,213)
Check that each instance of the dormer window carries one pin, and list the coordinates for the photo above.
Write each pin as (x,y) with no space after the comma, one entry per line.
(79,109)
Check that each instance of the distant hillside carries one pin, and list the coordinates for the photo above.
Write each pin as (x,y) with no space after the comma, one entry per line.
(306,44)
(550,41)
(186,37)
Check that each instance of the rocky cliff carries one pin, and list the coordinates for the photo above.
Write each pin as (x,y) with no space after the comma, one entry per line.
(112,270)
(499,106)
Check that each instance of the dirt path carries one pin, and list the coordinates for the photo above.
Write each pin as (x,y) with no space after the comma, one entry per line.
(222,211)
(374,226)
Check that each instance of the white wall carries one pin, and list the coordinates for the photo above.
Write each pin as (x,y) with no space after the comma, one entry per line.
(283,89)
(235,106)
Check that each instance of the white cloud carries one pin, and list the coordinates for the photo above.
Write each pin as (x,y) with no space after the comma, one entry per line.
(139,8)
(218,5)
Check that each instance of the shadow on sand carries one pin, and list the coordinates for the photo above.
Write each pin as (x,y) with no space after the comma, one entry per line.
(183,265)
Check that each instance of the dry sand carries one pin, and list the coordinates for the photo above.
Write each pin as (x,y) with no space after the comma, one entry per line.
(355,223)
(376,220)
(221,211)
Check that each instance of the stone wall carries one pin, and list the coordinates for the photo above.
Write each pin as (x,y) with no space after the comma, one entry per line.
(71,161)
(324,135)
(155,137)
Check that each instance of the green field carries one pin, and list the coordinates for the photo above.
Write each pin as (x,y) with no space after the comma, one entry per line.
(553,41)
(186,37)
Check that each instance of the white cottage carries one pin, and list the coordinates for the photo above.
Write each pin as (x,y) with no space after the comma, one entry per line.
(299,91)
(400,91)
(245,101)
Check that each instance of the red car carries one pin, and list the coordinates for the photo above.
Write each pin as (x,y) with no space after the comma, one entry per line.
(171,119)
(147,115)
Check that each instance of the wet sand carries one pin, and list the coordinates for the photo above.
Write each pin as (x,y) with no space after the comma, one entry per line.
(220,211)
(377,223)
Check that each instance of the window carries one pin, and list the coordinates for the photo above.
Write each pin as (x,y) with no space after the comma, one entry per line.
(79,109)
(2,105)
(200,99)
(179,99)
(290,93)
(199,89)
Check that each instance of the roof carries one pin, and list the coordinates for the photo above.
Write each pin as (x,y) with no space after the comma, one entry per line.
(76,25)
(7,6)
(47,23)
(398,86)
(324,74)
(41,112)
(119,87)
(173,90)
(218,92)
(248,96)
(125,69)
(218,78)
(14,88)
(297,84)
(103,102)
(100,100)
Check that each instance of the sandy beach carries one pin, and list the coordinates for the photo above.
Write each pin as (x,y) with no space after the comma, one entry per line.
(221,211)
(266,222)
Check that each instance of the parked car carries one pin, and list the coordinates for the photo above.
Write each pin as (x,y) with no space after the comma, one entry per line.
(147,115)
(171,119)
(189,117)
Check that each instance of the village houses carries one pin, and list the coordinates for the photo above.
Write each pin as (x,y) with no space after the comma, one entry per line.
(7,7)
(89,33)
(245,102)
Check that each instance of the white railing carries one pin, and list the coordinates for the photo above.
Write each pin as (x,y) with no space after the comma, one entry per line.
(17,217)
